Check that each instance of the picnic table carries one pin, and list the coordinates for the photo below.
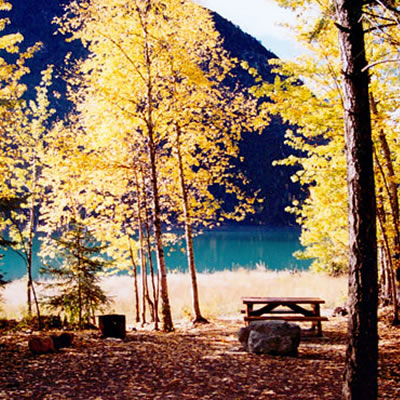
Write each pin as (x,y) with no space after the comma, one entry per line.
(300,309)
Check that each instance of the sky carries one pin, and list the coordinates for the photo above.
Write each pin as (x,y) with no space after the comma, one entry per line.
(259,18)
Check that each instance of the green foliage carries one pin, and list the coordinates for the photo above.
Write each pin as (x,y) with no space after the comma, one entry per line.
(7,325)
(77,278)
(47,322)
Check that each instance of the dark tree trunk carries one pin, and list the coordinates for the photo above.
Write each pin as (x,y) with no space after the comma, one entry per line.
(360,377)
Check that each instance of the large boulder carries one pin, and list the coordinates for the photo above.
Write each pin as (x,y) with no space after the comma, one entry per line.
(271,337)
(41,344)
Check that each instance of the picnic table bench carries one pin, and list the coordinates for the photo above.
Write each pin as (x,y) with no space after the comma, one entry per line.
(300,309)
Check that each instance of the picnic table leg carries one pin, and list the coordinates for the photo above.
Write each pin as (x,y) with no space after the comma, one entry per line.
(317,324)
(319,328)
(249,308)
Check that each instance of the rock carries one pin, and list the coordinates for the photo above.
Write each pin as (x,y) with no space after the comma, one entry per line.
(49,344)
(41,344)
(342,311)
(243,336)
(271,337)
(63,340)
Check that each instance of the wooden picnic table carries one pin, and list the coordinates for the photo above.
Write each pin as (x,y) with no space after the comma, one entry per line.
(285,308)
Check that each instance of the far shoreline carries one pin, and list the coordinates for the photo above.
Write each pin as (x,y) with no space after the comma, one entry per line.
(220,292)
(227,247)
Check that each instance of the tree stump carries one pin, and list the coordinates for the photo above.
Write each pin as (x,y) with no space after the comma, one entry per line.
(112,325)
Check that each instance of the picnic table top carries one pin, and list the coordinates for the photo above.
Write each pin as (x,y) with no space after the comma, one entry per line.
(282,300)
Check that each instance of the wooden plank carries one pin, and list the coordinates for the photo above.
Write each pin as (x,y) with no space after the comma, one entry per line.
(278,311)
(282,300)
(286,318)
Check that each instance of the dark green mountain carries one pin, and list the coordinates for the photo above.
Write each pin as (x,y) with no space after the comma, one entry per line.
(33,19)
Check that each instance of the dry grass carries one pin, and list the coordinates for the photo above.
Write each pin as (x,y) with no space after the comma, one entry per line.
(220,292)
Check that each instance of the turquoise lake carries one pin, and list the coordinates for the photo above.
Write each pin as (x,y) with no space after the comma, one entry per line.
(222,249)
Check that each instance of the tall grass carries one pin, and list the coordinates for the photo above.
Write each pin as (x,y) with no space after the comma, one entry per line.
(220,292)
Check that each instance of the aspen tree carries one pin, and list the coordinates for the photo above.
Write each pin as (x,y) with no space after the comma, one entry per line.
(356,22)
(125,98)
(312,82)
(22,130)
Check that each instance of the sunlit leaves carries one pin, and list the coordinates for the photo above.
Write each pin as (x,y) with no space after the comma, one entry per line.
(155,66)
(308,95)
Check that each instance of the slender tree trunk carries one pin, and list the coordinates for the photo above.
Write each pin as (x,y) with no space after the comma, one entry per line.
(143,262)
(391,187)
(361,367)
(80,279)
(167,324)
(29,254)
(135,282)
(31,289)
(80,305)
(198,318)
(384,295)
(143,258)
(388,266)
(143,269)
(391,261)
(40,324)
(155,286)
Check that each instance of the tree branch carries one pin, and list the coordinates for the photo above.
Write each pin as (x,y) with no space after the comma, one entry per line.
(379,62)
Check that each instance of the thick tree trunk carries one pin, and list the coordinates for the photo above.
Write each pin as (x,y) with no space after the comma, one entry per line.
(360,377)
(198,318)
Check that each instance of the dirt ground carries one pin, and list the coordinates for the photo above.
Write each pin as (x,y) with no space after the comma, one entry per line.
(205,362)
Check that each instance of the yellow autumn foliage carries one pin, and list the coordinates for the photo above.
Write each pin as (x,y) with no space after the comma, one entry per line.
(308,95)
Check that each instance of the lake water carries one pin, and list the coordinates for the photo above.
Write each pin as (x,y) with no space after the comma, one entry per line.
(216,250)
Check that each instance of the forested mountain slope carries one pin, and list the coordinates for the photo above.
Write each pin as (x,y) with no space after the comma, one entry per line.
(33,18)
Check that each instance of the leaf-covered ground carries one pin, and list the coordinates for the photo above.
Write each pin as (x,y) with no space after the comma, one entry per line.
(206,362)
